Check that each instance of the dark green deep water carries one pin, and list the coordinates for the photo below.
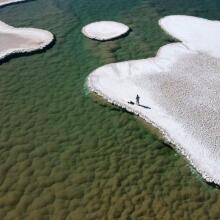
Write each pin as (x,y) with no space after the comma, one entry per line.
(64,155)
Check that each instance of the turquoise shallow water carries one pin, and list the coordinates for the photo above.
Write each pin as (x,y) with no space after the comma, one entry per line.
(67,155)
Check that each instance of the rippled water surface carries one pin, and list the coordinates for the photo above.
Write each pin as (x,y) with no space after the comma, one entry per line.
(67,155)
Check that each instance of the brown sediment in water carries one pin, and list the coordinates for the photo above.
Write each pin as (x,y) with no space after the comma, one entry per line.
(63,156)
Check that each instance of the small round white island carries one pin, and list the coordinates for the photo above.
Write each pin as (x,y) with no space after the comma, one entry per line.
(105,30)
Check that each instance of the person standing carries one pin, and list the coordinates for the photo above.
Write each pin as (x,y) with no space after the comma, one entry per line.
(138,99)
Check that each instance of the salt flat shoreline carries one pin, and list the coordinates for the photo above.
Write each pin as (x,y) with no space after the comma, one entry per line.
(7,2)
(22,40)
(110,80)
(105,30)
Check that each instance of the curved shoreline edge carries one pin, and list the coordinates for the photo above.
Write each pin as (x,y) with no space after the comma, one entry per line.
(165,58)
(7,2)
(105,30)
(41,39)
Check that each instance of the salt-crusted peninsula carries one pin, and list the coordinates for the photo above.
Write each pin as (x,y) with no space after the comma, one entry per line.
(105,30)
(178,89)
(7,2)
(21,40)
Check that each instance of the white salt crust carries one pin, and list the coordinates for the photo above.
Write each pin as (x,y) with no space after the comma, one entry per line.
(104,30)
(7,2)
(25,39)
(180,85)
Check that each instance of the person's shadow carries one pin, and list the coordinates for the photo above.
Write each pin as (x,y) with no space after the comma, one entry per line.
(144,106)
(132,103)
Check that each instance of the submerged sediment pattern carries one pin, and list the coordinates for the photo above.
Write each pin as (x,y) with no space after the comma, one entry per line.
(64,156)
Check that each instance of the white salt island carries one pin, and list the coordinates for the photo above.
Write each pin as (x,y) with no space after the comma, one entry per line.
(179,90)
(104,30)
(22,40)
(7,2)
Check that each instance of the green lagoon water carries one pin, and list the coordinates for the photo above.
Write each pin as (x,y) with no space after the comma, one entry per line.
(65,154)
